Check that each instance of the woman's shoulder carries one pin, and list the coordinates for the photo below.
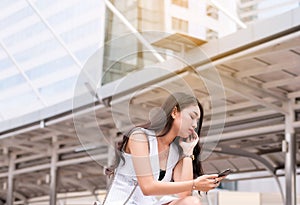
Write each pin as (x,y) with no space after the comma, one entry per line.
(140,131)
(142,135)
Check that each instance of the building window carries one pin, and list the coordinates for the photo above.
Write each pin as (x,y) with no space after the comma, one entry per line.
(212,12)
(211,34)
(180,25)
(181,3)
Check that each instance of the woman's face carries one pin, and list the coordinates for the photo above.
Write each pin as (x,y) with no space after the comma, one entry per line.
(186,120)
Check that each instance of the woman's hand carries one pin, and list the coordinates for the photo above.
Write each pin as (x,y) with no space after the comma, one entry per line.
(207,182)
(188,145)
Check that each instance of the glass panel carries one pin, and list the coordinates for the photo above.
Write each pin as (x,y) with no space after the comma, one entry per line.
(38,53)
(59,91)
(123,52)
(11,82)
(49,67)
(11,107)
(4,63)
(15,17)
(24,34)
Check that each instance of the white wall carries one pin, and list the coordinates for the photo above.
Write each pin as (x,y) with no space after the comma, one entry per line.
(266,185)
(226,24)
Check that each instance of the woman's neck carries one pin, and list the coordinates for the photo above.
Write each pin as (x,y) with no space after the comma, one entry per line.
(166,139)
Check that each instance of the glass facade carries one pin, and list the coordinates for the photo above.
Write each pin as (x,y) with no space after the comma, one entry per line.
(44,45)
(124,52)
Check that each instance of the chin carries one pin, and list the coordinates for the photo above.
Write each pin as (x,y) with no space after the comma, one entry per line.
(185,136)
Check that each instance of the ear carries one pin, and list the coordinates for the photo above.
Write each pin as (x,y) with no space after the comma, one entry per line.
(174,112)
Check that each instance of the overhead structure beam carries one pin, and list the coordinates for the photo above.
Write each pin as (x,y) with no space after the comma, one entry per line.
(59,164)
(27,146)
(282,82)
(233,85)
(243,133)
(266,69)
(86,185)
(15,141)
(253,115)
(38,187)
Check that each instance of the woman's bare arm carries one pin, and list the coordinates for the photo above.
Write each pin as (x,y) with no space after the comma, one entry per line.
(138,148)
(185,174)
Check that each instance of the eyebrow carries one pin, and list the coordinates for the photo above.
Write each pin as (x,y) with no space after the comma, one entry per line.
(195,113)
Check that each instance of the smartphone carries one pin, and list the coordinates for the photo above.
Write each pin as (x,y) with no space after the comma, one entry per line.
(224,173)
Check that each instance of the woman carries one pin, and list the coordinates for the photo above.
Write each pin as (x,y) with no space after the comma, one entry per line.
(162,158)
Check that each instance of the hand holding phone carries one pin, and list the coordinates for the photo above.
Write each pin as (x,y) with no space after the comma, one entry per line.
(224,173)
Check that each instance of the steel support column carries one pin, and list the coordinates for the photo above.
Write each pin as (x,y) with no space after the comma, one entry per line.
(10,180)
(53,172)
(290,157)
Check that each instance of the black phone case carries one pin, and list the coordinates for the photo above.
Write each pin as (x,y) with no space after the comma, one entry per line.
(224,173)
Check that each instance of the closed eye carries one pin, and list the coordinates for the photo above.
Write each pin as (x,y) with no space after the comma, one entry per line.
(195,115)
(192,117)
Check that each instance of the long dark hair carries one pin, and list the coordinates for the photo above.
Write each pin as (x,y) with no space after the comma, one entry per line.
(161,122)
